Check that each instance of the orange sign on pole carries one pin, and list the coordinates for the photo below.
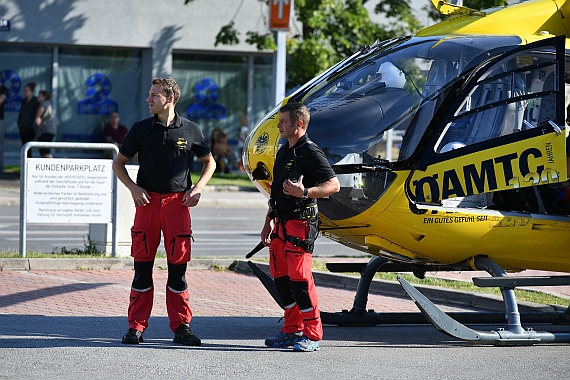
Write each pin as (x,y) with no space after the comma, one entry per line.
(279,13)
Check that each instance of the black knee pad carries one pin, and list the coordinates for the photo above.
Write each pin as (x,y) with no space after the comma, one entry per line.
(282,284)
(176,277)
(300,290)
(143,275)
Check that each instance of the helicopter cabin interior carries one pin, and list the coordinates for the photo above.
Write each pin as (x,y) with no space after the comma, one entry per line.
(487,114)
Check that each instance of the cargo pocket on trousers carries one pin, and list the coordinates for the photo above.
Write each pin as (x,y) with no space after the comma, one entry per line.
(180,247)
(299,264)
(139,245)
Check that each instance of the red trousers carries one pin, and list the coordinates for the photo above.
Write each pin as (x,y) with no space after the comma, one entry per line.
(286,259)
(165,213)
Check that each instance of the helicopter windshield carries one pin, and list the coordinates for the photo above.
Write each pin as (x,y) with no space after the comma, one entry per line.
(360,113)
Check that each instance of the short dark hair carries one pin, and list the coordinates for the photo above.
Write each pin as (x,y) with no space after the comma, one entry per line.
(31,86)
(297,111)
(46,94)
(169,86)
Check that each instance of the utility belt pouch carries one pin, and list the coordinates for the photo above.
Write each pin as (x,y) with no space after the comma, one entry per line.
(306,213)
(308,244)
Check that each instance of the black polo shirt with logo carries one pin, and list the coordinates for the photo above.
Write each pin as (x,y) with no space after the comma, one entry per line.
(164,152)
(309,161)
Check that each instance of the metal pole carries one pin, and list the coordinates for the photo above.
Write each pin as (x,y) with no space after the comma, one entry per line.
(250,78)
(114,208)
(389,144)
(23,189)
(54,80)
(280,64)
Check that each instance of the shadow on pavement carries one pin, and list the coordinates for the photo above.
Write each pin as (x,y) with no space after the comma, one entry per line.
(36,331)
(16,298)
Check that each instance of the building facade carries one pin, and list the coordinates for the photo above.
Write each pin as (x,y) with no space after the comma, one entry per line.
(99,56)
(96,57)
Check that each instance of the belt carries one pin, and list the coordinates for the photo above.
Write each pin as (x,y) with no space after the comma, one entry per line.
(308,212)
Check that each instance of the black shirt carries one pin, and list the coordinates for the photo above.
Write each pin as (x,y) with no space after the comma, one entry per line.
(27,114)
(309,161)
(3,91)
(164,153)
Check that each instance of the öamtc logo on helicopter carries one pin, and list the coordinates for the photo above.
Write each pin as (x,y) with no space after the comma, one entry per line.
(538,165)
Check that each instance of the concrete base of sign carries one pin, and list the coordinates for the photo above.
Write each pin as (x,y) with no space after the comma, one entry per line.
(100,235)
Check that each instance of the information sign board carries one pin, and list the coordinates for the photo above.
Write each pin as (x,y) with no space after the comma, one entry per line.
(61,190)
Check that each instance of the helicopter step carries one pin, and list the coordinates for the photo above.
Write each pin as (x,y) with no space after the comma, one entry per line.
(512,334)
(387,266)
(511,283)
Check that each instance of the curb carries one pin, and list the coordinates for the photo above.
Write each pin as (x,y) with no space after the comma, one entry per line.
(31,264)
(325,279)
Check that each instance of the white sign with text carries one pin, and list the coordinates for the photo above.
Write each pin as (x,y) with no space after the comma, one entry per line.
(62,190)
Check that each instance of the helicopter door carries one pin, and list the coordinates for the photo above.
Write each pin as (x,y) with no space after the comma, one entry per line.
(502,130)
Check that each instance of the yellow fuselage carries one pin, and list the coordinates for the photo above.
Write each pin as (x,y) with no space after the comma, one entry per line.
(432,233)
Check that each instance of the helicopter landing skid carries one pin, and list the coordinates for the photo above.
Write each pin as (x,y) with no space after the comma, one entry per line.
(512,335)
(448,323)
(359,315)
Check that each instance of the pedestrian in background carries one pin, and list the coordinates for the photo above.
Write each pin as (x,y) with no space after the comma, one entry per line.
(222,152)
(301,174)
(114,132)
(243,131)
(27,115)
(45,122)
(163,194)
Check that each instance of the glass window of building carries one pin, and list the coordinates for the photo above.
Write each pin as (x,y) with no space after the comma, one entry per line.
(215,90)
(19,66)
(92,84)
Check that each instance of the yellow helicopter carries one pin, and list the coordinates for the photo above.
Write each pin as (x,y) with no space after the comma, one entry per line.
(450,147)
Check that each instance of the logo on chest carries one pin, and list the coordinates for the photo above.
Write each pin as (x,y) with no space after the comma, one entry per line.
(181,144)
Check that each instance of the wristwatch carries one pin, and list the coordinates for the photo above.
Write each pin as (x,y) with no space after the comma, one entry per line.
(305,195)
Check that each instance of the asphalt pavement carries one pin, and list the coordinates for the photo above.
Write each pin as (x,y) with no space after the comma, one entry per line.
(67,324)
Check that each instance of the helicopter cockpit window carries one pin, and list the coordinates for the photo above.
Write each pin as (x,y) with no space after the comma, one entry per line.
(377,108)
(389,96)
(513,96)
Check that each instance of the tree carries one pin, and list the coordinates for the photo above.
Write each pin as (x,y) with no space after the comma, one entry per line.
(332,30)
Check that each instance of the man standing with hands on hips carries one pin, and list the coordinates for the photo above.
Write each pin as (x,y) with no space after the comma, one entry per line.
(163,194)
(301,174)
